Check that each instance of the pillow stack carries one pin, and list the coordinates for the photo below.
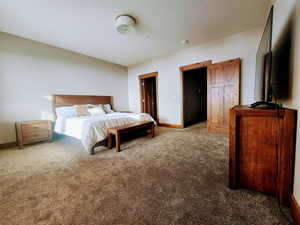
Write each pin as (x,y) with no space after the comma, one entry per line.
(92,110)
(83,110)
(96,110)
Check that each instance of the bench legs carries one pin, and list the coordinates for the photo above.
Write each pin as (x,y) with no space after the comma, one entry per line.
(152,130)
(118,142)
(109,144)
(92,151)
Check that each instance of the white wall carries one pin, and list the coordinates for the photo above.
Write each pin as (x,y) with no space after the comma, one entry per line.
(296,90)
(242,45)
(285,11)
(31,72)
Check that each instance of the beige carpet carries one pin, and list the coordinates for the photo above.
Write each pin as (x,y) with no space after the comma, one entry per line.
(179,177)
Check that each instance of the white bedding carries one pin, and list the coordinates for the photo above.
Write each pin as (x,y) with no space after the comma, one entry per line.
(93,129)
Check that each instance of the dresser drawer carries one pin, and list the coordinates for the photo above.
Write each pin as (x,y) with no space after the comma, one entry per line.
(34,140)
(35,131)
(38,126)
(44,134)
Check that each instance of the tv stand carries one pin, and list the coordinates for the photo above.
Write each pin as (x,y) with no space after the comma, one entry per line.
(264,105)
(261,150)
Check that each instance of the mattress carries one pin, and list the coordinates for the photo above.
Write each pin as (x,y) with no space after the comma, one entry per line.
(93,129)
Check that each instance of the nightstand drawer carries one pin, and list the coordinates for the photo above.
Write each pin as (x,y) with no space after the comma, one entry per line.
(30,141)
(34,131)
(44,134)
(38,126)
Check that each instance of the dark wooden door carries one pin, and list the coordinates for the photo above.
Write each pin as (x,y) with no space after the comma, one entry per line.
(149,96)
(223,89)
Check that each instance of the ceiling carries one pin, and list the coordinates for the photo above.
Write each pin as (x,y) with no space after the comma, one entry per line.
(87,26)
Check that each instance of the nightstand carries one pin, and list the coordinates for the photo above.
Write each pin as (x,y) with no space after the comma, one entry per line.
(33,131)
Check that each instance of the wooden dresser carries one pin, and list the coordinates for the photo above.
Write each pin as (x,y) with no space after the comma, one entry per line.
(261,150)
(33,131)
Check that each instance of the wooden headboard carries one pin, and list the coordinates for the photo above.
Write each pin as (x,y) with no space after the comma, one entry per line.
(70,100)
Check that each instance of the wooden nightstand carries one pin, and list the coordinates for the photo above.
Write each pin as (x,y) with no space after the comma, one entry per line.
(33,131)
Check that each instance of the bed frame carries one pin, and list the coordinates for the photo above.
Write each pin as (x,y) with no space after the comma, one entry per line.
(70,100)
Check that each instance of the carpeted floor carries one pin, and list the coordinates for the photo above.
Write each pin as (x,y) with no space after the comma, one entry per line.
(179,177)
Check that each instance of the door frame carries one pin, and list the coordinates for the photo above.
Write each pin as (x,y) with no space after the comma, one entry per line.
(183,69)
(148,75)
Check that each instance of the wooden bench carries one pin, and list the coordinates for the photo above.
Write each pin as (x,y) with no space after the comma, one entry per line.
(117,131)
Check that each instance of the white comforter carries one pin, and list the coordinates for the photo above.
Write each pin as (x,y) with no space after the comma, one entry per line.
(93,129)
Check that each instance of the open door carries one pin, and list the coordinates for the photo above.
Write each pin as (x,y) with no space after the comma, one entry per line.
(223,92)
(148,87)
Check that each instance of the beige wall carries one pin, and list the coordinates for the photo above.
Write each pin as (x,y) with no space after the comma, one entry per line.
(242,45)
(296,89)
(31,72)
(286,25)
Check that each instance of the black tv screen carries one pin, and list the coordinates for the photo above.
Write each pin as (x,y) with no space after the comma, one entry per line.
(263,90)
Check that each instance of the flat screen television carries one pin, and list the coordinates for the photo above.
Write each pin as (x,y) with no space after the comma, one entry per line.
(263,90)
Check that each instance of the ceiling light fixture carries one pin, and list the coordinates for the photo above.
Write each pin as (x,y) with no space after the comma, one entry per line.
(125,23)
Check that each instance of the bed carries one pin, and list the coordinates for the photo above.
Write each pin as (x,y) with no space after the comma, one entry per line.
(91,130)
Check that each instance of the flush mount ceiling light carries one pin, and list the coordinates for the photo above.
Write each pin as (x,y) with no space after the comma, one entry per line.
(125,23)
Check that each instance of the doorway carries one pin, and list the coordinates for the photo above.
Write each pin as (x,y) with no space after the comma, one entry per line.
(148,93)
(194,96)
(222,93)
(194,93)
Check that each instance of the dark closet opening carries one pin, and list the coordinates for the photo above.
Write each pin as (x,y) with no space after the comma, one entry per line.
(194,96)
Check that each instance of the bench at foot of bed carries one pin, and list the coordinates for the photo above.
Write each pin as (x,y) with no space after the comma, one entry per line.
(117,131)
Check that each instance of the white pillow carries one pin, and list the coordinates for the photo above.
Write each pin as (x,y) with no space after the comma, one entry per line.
(65,111)
(107,108)
(97,111)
